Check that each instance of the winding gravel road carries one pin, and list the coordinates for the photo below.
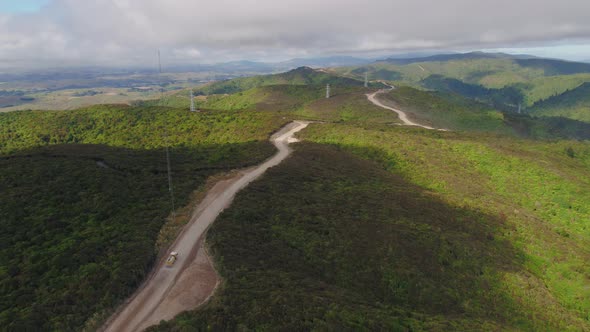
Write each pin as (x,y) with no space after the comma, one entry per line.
(157,298)
(402,115)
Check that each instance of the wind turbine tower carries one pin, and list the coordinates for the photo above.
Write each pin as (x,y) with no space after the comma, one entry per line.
(167,143)
(192,101)
(366,79)
(327,91)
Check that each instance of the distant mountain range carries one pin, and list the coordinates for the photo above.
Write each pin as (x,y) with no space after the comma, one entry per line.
(456,56)
(235,67)
(551,66)
(246,68)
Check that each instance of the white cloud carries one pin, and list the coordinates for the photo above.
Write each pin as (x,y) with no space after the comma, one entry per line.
(123,32)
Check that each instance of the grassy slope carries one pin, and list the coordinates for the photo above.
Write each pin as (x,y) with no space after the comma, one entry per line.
(326,241)
(538,190)
(124,126)
(536,81)
(295,87)
(573,104)
(513,235)
(479,71)
(132,138)
(543,88)
(299,99)
(347,107)
(299,76)
(446,111)
(77,237)
(457,113)
(533,236)
(349,246)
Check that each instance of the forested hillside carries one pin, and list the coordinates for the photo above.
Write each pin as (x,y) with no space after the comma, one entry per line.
(451,111)
(574,104)
(481,228)
(500,79)
(299,76)
(438,231)
(369,225)
(80,220)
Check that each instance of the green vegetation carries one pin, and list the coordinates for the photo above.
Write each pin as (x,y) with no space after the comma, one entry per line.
(349,246)
(507,98)
(451,111)
(299,76)
(133,127)
(538,189)
(273,98)
(94,184)
(552,67)
(286,91)
(510,80)
(574,104)
(368,226)
(543,88)
(347,107)
(326,241)
(475,229)
(491,73)
(78,237)
(446,111)
(80,221)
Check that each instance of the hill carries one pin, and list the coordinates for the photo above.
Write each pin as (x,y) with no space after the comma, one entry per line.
(299,76)
(425,235)
(332,61)
(85,197)
(269,97)
(454,112)
(534,78)
(574,104)
(555,67)
(507,98)
(549,67)
(454,57)
(367,225)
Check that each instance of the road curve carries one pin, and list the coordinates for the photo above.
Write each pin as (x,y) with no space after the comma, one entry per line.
(143,310)
(402,115)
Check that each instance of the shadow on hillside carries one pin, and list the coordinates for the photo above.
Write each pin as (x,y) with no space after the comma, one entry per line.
(329,241)
(194,158)
(547,127)
(80,222)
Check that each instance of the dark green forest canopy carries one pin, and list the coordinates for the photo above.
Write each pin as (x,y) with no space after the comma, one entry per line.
(80,221)
(331,242)
(471,229)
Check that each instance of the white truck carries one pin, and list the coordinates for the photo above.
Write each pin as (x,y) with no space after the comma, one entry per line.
(172,258)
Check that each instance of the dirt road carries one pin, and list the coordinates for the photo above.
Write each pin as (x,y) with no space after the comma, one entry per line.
(192,279)
(402,115)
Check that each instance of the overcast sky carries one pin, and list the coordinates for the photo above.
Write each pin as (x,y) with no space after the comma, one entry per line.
(127,32)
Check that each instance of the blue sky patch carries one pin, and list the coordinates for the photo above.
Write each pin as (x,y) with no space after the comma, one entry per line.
(20,6)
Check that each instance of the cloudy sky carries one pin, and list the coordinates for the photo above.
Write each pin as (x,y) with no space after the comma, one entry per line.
(127,32)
